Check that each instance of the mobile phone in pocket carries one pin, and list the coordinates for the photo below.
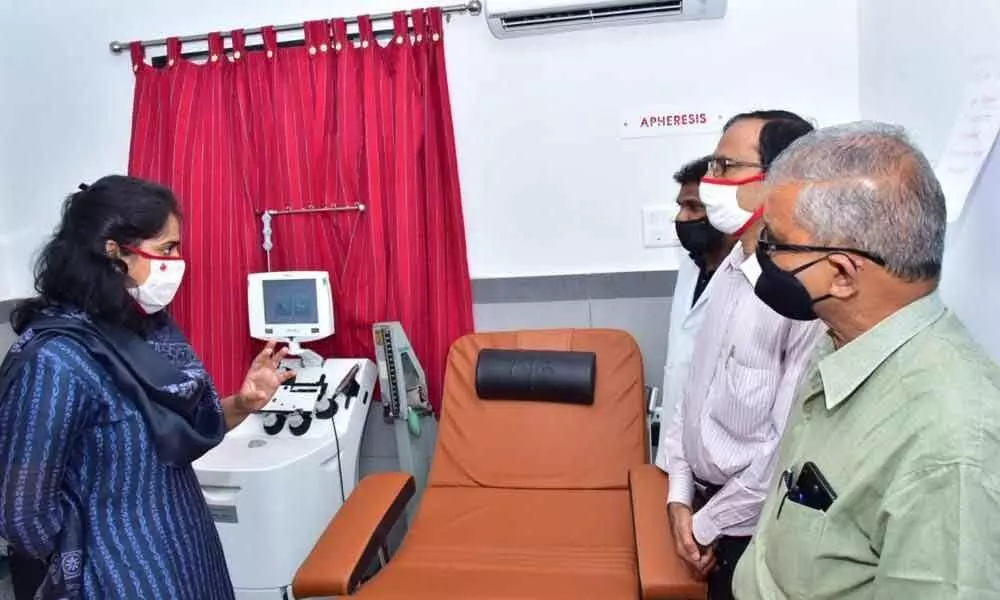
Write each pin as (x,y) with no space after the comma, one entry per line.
(812,489)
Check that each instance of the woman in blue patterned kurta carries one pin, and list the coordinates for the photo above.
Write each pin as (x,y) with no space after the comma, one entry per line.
(104,406)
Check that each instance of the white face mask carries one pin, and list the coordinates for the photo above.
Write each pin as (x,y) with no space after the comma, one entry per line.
(721,206)
(159,289)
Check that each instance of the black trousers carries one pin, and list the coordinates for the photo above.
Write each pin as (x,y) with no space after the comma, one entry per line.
(26,573)
(728,550)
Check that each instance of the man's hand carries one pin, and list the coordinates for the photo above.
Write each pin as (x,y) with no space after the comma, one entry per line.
(700,560)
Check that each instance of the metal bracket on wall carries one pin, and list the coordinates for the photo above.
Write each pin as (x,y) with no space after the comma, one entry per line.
(266,216)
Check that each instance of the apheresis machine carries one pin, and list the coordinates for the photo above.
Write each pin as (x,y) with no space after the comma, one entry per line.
(275,481)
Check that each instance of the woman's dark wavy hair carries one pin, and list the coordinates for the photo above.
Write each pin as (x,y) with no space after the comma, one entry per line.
(74,270)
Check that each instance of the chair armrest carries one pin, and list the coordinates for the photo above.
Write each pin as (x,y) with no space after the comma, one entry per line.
(353,537)
(662,573)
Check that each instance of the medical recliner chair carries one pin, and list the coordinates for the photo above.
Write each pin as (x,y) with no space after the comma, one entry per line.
(539,487)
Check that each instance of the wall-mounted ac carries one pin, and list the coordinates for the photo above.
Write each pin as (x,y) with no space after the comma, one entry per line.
(513,18)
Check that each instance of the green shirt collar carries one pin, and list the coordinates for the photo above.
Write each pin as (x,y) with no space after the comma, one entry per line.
(846,369)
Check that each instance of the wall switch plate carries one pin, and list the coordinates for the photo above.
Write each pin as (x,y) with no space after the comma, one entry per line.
(658,226)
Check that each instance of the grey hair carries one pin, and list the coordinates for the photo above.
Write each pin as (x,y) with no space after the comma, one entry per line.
(868,187)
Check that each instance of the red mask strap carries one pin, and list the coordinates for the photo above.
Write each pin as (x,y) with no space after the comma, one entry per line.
(144,254)
(757,214)
(744,181)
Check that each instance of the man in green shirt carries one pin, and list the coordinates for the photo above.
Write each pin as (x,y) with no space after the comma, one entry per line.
(887,483)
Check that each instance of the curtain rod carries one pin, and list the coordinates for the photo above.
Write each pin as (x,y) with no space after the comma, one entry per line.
(472,7)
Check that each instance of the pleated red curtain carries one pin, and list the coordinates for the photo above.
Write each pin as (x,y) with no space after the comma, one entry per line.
(335,122)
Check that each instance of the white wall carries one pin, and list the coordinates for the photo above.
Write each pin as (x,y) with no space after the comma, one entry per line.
(7,338)
(548,187)
(914,67)
(7,203)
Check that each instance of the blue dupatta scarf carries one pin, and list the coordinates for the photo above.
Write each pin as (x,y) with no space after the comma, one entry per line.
(169,391)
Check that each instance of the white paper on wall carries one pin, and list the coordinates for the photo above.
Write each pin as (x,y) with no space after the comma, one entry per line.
(972,135)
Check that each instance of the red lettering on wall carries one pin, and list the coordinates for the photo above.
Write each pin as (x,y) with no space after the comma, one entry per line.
(675,120)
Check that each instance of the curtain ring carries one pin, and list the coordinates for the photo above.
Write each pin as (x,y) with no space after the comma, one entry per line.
(173,51)
(270,40)
(138,55)
(339,34)
(365,30)
(216,47)
(419,24)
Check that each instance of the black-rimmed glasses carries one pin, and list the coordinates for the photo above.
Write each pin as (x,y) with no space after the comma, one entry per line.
(770,247)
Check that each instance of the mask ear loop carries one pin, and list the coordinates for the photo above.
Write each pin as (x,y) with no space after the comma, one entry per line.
(733,182)
(754,217)
(801,268)
(757,213)
(147,255)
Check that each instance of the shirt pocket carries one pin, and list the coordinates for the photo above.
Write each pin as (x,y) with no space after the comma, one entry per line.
(745,412)
(793,546)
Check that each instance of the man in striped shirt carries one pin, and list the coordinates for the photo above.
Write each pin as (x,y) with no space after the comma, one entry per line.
(706,247)
(747,361)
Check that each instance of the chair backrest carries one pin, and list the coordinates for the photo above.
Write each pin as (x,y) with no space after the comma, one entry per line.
(543,445)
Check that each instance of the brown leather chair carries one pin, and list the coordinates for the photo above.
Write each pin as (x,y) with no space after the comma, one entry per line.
(525,499)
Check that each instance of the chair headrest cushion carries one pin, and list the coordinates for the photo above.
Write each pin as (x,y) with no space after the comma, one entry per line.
(536,375)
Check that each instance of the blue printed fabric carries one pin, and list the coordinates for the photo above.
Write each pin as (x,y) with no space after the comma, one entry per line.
(83,487)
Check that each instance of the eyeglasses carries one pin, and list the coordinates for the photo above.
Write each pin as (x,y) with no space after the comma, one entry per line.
(769,247)
(718,165)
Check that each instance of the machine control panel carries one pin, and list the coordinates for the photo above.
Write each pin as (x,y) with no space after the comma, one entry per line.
(314,393)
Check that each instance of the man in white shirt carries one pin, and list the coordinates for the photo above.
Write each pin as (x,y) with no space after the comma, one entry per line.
(721,444)
(706,246)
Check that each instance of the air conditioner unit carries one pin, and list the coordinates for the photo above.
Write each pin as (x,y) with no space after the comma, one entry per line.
(514,18)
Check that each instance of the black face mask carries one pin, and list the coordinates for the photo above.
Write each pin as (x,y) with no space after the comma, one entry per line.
(782,290)
(698,237)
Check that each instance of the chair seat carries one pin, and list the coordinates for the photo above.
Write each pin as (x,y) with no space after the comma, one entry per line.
(488,543)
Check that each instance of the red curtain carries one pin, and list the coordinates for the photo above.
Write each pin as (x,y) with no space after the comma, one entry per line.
(334,122)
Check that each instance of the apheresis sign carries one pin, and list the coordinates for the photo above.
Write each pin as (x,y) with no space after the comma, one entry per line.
(660,121)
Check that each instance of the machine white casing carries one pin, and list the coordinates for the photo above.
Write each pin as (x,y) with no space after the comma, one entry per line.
(273,495)
(515,18)
(276,480)
(305,331)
